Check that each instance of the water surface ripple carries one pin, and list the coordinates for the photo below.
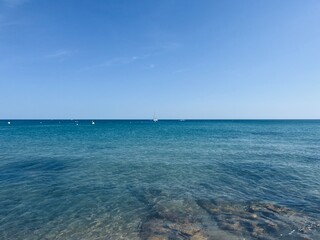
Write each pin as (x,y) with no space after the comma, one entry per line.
(165,180)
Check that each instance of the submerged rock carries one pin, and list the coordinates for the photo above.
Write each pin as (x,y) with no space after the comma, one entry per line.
(181,220)
(260,220)
(176,219)
(186,229)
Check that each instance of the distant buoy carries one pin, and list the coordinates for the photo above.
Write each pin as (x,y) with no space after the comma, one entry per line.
(9,123)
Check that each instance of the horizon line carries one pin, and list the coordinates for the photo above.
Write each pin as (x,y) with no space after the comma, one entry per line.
(161,119)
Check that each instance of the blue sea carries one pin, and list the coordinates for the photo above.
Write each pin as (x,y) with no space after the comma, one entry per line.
(139,179)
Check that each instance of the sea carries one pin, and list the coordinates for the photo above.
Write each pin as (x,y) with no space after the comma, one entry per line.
(171,179)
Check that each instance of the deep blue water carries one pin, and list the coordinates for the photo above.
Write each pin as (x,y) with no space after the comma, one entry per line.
(104,181)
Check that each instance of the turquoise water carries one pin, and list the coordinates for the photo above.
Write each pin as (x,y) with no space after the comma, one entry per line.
(146,180)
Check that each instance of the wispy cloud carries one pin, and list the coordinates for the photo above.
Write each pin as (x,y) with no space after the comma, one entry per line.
(151,65)
(5,22)
(60,54)
(122,60)
(163,47)
(182,70)
(159,49)
(119,61)
(171,46)
(14,3)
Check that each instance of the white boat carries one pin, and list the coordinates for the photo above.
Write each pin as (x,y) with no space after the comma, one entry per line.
(9,123)
(155,119)
(93,123)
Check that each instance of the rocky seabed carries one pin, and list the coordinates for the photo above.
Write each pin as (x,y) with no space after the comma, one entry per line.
(224,220)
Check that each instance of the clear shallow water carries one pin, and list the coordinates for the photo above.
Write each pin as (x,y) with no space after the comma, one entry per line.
(139,179)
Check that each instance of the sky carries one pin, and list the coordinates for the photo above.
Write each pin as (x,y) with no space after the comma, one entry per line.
(124,59)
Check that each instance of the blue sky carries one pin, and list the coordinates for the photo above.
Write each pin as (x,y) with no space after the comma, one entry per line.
(178,59)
